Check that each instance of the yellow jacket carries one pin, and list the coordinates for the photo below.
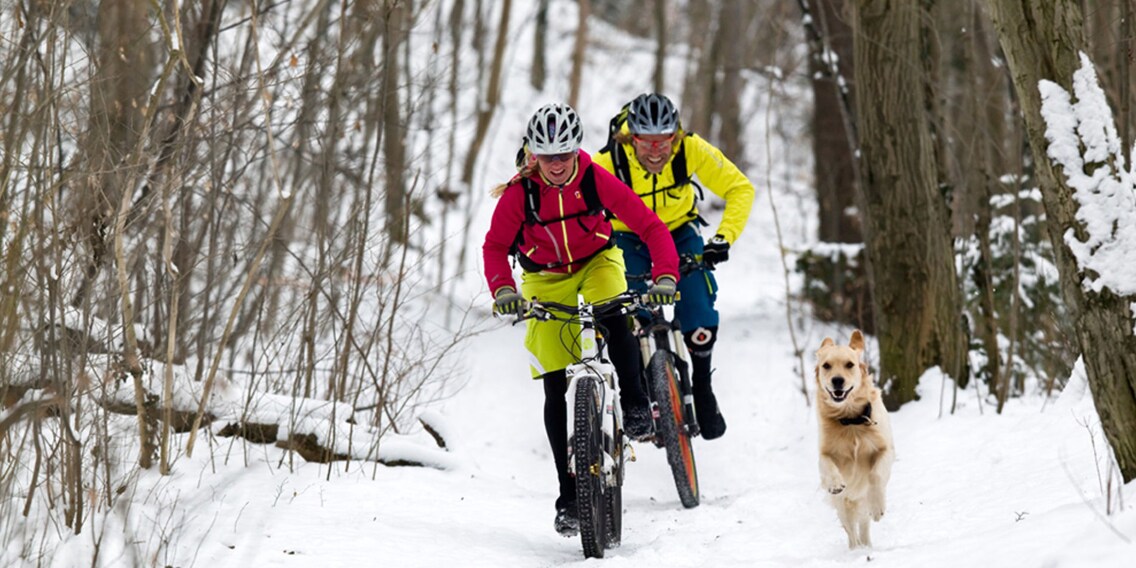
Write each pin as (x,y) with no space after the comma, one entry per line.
(677,206)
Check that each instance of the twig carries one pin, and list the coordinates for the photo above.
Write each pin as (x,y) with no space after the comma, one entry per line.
(285,205)
(797,350)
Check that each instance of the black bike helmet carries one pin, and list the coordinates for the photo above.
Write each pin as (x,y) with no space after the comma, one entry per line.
(652,113)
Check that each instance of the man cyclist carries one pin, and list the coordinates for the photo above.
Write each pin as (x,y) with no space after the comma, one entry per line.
(653,155)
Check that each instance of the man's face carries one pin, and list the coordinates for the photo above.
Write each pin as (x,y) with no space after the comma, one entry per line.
(653,150)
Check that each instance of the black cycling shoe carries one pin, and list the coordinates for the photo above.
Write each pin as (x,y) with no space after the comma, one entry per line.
(637,422)
(567,522)
(710,420)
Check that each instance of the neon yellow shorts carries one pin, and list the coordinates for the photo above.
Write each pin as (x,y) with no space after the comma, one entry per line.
(553,345)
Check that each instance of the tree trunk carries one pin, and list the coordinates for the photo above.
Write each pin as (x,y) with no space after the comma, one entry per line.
(125,63)
(660,45)
(394,127)
(541,32)
(585,8)
(1041,40)
(846,296)
(698,89)
(729,108)
(909,250)
(832,165)
(488,107)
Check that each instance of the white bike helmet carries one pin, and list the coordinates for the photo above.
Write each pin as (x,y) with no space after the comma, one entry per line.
(554,129)
(652,114)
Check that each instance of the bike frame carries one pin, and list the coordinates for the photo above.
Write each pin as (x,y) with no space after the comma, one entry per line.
(665,332)
(593,368)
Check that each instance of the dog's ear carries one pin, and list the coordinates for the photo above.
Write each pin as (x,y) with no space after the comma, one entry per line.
(857,341)
(828,342)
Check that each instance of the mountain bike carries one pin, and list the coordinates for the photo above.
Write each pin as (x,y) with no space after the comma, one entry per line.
(596,441)
(667,366)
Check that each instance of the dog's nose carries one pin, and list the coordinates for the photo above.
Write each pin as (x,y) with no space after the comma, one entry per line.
(838,383)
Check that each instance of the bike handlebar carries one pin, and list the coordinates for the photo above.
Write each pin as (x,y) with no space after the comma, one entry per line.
(625,303)
(687,263)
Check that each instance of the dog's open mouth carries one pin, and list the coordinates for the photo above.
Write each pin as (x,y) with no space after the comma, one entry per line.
(838,395)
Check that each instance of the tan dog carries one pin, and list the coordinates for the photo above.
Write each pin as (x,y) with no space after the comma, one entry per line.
(856,448)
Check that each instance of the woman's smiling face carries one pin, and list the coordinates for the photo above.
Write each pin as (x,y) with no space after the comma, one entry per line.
(557,168)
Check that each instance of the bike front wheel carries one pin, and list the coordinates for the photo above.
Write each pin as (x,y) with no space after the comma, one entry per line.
(587,448)
(672,428)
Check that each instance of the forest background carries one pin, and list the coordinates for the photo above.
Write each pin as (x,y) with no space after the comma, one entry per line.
(254,220)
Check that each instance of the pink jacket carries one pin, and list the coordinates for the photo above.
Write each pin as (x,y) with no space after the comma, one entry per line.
(570,240)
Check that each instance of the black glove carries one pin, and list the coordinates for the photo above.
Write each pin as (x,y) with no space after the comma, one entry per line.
(507,301)
(716,251)
(663,292)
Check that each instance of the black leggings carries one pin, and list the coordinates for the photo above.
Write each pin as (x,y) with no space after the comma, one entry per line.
(623,350)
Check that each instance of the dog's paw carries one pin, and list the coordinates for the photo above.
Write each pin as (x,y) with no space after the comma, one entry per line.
(833,485)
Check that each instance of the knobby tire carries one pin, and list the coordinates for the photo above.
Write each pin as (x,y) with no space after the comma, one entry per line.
(613,496)
(587,447)
(671,428)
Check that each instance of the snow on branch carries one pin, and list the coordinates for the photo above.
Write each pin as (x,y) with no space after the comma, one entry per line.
(1083,141)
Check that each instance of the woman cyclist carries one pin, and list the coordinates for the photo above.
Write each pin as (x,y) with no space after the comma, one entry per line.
(653,155)
(552,218)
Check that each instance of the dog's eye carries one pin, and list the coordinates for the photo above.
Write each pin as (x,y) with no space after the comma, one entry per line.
(848,365)
(826,366)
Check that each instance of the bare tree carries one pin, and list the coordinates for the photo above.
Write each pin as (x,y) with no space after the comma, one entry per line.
(540,33)
(492,94)
(844,295)
(393,126)
(906,228)
(660,13)
(698,87)
(728,106)
(1041,40)
(579,52)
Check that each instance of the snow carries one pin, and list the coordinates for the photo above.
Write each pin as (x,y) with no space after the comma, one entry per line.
(1083,140)
(1030,487)
(971,488)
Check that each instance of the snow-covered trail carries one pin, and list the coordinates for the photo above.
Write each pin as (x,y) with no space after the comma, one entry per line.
(968,489)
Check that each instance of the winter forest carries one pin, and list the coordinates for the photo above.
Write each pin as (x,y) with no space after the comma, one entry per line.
(241,240)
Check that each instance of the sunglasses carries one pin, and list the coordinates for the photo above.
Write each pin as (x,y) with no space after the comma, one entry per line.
(653,144)
(556,157)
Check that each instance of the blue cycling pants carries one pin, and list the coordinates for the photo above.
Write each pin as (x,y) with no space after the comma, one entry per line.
(697,290)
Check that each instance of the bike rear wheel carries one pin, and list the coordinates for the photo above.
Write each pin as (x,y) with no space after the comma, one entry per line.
(672,428)
(587,449)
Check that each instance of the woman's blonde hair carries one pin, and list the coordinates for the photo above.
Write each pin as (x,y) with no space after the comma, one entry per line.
(525,170)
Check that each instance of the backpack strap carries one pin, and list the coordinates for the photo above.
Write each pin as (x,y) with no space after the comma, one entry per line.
(678,164)
(591,197)
(532,200)
(620,164)
(589,192)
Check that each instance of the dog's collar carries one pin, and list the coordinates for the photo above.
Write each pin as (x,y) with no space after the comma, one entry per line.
(865,417)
